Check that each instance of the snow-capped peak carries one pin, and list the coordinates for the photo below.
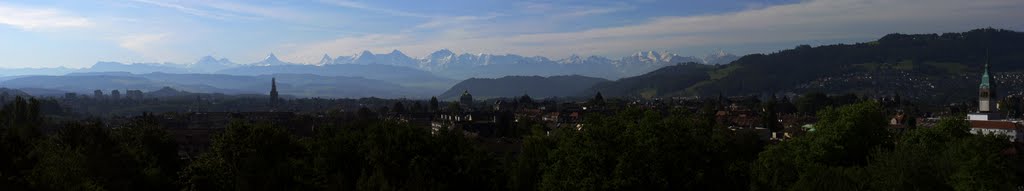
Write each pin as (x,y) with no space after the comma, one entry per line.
(441,54)
(210,64)
(270,61)
(206,59)
(396,52)
(365,53)
(572,59)
(326,60)
(720,57)
(271,57)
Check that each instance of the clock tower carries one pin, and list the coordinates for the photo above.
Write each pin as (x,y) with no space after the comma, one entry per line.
(987,92)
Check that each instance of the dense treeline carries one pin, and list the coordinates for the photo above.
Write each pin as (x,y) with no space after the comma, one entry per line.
(852,150)
(632,150)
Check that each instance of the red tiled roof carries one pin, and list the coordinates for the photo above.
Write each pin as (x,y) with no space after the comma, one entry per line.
(994,125)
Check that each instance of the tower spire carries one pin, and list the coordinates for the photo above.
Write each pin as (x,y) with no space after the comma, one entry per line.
(273,91)
(987,89)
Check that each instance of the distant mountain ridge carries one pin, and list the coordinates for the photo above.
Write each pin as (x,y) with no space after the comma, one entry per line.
(446,63)
(513,86)
(301,85)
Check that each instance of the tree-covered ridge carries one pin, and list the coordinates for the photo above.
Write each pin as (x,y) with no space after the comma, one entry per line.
(947,63)
(511,86)
(949,54)
(664,81)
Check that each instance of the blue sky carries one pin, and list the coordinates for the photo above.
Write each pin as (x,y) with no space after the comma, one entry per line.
(42,33)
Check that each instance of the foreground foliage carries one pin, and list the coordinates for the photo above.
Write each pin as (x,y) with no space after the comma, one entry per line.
(850,149)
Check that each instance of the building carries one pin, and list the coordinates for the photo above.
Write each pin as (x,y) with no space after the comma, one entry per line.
(98,94)
(466,100)
(134,95)
(115,95)
(987,98)
(70,96)
(273,91)
(1012,129)
(988,119)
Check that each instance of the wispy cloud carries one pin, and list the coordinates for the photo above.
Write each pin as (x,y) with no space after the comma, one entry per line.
(29,18)
(362,6)
(189,10)
(345,46)
(591,11)
(227,10)
(457,21)
(807,21)
(147,45)
(274,12)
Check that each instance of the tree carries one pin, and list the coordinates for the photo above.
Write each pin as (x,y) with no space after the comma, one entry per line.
(416,107)
(399,157)
(598,99)
(644,150)
(529,166)
(154,149)
(526,101)
(250,157)
(84,156)
(454,107)
(770,118)
(844,139)
(20,121)
(398,107)
(851,150)
(434,105)
(810,103)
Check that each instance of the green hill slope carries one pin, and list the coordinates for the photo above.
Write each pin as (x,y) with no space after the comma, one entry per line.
(932,67)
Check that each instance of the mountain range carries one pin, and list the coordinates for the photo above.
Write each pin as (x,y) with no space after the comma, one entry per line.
(430,75)
(938,68)
(933,68)
(442,63)
(448,64)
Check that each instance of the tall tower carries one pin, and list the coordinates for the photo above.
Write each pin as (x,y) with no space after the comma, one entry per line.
(273,91)
(466,99)
(987,92)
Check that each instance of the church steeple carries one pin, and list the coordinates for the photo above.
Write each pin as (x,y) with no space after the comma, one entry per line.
(987,90)
(273,91)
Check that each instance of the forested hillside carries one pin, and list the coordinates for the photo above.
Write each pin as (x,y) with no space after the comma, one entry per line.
(931,67)
(512,86)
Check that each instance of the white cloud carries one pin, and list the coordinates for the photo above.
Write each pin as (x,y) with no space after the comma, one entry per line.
(807,21)
(28,18)
(362,6)
(274,12)
(591,11)
(309,53)
(189,10)
(457,21)
(227,10)
(147,45)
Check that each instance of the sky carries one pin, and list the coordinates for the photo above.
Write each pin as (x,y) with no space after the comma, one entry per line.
(73,33)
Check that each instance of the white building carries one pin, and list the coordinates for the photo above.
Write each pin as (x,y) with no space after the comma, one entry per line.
(988,120)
